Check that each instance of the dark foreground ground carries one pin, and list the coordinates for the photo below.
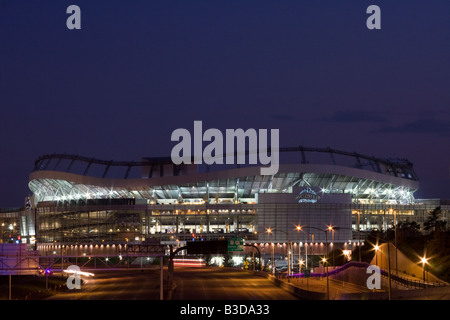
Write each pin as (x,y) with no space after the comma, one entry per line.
(31,287)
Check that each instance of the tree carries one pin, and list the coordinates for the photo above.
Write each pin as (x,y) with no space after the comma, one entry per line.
(434,221)
(407,230)
(438,244)
(438,250)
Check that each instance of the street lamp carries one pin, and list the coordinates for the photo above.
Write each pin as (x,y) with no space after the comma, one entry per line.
(359,233)
(424,263)
(395,238)
(300,264)
(289,247)
(299,228)
(332,243)
(329,228)
(269,231)
(376,248)
(273,257)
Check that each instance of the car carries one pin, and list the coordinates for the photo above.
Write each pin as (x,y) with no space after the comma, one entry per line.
(44,272)
(281,269)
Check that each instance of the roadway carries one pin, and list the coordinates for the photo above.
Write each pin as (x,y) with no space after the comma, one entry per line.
(224,284)
(191,284)
(126,284)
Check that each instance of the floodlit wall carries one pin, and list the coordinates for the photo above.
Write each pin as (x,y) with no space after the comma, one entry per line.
(282,212)
(405,265)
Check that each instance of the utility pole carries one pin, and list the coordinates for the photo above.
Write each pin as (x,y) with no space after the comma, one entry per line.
(389,268)
(326,261)
(359,235)
(161,279)
(35,229)
(395,232)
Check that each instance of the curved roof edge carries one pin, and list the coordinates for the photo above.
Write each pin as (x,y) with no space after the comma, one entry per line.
(144,183)
(396,167)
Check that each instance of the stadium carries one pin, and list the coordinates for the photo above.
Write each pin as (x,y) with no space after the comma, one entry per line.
(319,199)
(76,202)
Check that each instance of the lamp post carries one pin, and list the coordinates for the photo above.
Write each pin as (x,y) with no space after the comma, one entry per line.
(424,261)
(273,257)
(376,248)
(359,233)
(329,228)
(389,258)
(270,231)
(395,238)
(326,249)
(306,249)
(389,268)
(299,228)
(332,241)
(312,248)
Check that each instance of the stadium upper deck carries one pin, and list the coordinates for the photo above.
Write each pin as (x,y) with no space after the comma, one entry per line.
(65,178)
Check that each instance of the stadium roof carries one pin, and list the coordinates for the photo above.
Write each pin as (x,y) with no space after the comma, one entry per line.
(55,179)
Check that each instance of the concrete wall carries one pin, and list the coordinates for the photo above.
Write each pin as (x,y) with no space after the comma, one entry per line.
(398,294)
(296,291)
(379,295)
(296,195)
(282,212)
(405,265)
(283,218)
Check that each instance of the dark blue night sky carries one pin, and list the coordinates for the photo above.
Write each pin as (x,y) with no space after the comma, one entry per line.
(137,70)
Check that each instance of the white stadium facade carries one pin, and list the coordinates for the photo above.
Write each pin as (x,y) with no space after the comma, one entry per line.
(80,200)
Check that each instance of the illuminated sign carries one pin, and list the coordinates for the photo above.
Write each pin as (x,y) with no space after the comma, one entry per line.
(236,244)
(307,195)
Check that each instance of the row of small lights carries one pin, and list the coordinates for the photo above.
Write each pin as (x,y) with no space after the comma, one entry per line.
(209,212)
(299,228)
(301,243)
(110,193)
(80,196)
(323,190)
(85,246)
(106,258)
(11,226)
